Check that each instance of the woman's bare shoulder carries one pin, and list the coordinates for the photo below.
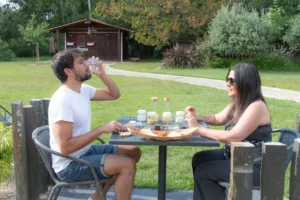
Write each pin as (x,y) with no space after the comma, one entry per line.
(258,104)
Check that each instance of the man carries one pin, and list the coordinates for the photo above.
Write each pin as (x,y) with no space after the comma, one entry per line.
(70,132)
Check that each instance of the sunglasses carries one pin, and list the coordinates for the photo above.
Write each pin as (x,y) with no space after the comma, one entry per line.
(231,81)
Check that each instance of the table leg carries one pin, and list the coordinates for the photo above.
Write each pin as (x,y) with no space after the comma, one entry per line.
(162,163)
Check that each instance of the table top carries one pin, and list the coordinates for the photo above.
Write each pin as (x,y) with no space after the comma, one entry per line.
(195,140)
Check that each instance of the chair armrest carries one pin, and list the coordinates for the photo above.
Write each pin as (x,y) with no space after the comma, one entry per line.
(101,140)
(257,160)
(45,148)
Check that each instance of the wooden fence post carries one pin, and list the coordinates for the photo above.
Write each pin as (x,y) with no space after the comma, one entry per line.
(272,170)
(241,175)
(41,115)
(31,175)
(295,172)
(34,161)
(20,151)
(298,122)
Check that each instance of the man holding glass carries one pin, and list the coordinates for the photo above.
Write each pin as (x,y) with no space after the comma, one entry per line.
(70,127)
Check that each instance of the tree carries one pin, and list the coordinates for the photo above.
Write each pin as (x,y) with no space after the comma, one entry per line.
(292,36)
(278,19)
(9,20)
(291,7)
(238,31)
(160,22)
(33,33)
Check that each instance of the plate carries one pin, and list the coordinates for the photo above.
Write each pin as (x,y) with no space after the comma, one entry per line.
(178,134)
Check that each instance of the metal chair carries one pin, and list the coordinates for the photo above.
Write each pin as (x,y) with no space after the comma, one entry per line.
(41,138)
(287,137)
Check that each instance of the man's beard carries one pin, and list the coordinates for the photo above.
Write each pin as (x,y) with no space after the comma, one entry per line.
(83,78)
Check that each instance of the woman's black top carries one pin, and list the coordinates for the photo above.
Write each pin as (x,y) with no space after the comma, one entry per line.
(257,137)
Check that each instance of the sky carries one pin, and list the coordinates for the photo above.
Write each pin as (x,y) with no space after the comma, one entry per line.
(3,1)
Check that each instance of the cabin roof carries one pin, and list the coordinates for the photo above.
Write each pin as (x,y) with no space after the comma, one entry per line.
(62,28)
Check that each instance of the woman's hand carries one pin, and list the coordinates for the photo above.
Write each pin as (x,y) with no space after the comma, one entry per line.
(190,109)
(191,119)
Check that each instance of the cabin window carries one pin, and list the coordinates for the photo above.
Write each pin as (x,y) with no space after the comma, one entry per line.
(80,41)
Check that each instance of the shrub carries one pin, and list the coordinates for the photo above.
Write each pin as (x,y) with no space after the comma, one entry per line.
(21,48)
(180,56)
(204,51)
(218,62)
(6,153)
(274,62)
(292,36)
(278,19)
(6,53)
(238,31)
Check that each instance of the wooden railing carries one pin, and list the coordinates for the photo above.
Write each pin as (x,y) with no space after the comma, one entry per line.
(272,171)
(31,175)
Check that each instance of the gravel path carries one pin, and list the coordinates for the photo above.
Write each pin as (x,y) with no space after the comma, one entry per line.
(267,91)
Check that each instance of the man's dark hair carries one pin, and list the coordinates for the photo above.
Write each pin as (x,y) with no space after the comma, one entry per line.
(64,59)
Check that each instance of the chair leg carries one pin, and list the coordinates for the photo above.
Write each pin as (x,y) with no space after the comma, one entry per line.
(54,193)
(226,193)
(100,188)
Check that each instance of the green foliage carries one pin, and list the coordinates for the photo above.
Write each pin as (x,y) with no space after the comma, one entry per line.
(21,48)
(238,31)
(226,63)
(33,32)
(204,50)
(6,153)
(6,53)
(159,23)
(9,20)
(258,5)
(278,19)
(292,36)
(262,6)
(180,56)
(270,62)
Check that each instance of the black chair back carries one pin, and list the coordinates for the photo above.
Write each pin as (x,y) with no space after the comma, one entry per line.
(41,138)
(287,137)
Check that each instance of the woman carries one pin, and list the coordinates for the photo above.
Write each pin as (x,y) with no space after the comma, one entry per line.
(247,118)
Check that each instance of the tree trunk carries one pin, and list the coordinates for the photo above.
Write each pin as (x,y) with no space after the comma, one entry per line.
(37,53)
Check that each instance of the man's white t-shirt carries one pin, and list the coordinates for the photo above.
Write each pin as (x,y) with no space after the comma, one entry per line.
(68,105)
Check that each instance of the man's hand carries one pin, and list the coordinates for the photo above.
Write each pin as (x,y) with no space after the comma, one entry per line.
(113,126)
(100,69)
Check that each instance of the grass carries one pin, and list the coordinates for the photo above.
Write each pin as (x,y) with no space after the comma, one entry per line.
(285,79)
(23,81)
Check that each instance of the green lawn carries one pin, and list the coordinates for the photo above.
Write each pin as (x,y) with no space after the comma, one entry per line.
(25,81)
(288,79)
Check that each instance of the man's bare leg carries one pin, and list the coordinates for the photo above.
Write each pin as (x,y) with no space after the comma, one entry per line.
(125,151)
(131,151)
(125,168)
(96,195)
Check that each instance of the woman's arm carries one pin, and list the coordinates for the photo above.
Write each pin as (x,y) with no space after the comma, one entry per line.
(255,115)
(212,119)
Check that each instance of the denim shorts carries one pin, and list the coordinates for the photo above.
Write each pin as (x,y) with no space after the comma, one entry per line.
(80,172)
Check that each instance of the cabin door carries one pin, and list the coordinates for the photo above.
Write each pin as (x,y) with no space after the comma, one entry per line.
(108,46)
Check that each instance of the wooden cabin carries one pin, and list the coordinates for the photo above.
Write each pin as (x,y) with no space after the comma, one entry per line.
(95,38)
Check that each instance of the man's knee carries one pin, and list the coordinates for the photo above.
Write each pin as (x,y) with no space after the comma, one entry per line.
(129,165)
(138,153)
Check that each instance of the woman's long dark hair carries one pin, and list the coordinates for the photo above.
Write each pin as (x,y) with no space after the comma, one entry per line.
(248,85)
